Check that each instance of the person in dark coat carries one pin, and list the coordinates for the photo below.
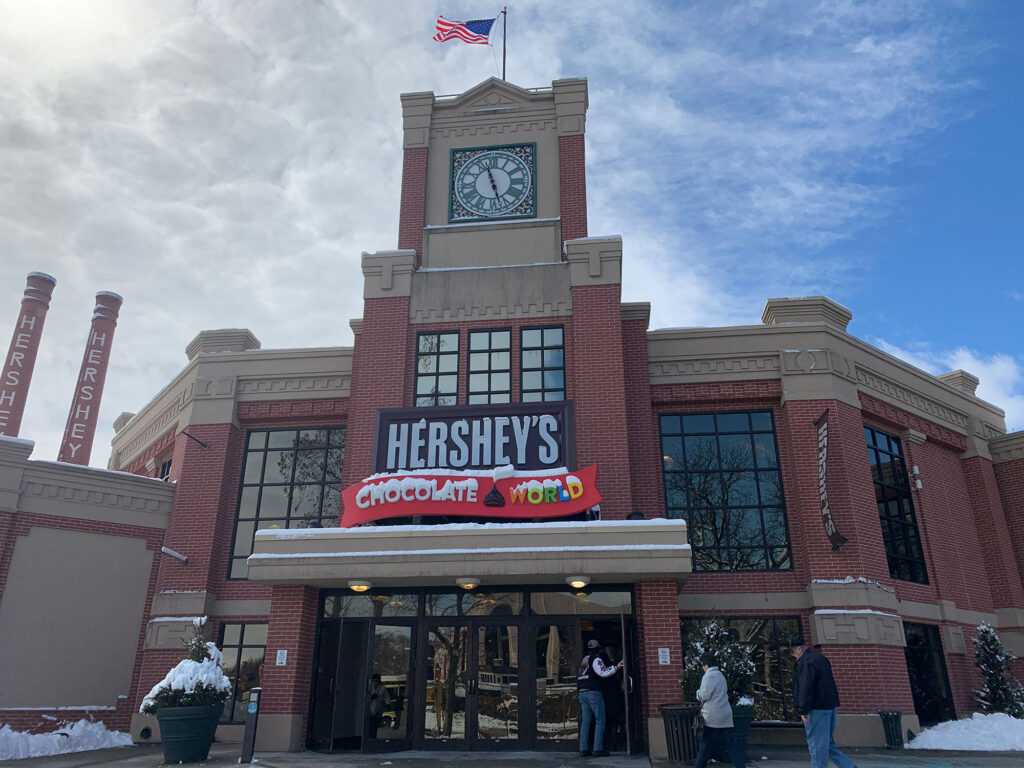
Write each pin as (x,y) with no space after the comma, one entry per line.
(588,685)
(816,698)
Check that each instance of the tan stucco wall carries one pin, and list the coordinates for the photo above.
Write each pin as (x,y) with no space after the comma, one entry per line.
(70,617)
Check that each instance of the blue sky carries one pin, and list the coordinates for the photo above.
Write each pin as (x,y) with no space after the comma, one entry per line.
(220,163)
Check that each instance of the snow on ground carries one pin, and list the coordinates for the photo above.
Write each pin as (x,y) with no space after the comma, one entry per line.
(75,737)
(976,733)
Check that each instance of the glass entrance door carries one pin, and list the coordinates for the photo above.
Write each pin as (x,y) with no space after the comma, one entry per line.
(389,686)
(444,701)
(557,653)
(339,705)
(471,692)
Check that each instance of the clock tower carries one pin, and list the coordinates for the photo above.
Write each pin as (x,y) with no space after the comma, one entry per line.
(494,176)
(496,296)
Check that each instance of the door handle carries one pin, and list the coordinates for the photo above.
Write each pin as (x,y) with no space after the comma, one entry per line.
(471,685)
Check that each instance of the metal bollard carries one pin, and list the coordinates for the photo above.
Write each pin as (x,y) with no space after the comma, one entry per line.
(252,717)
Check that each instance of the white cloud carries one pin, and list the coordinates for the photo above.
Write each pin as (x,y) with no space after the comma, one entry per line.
(223,164)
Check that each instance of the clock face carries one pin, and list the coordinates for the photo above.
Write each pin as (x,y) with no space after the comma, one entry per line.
(493,183)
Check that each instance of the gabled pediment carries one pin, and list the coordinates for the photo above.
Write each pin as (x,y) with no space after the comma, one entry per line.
(495,93)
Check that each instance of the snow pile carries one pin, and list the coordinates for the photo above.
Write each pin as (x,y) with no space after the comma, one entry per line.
(189,676)
(77,737)
(980,732)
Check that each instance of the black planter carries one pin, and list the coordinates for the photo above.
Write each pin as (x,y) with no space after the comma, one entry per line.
(187,732)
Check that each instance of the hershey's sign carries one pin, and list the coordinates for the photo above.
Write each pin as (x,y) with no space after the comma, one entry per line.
(529,436)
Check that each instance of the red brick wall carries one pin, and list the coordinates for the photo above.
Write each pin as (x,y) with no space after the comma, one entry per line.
(380,376)
(594,351)
(293,614)
(412,214)
(161,449)
(1010,482)
(647,490)
(572,179)
(658,627)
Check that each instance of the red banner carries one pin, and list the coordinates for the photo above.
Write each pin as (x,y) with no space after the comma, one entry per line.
(527,496)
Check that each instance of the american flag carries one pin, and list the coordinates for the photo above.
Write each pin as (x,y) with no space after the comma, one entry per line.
(476,31)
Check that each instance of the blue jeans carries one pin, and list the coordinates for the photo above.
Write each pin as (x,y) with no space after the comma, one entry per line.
(819,727)
(591,711)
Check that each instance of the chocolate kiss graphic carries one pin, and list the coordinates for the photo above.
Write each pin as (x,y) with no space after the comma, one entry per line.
(494,498)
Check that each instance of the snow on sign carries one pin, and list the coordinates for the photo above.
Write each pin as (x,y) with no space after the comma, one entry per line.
(501,493)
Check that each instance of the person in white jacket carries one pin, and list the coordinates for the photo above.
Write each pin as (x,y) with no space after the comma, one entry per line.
(713,695)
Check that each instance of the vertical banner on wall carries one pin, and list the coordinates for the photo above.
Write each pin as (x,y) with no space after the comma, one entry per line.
(834,536)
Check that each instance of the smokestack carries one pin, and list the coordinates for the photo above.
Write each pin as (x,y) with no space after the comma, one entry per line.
(21,357)
(76,447)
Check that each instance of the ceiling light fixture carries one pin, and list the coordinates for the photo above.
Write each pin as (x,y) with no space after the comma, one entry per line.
(468,582)
(357,585)
(577,582)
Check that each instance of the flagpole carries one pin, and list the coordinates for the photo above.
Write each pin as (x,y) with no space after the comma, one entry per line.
(504,37)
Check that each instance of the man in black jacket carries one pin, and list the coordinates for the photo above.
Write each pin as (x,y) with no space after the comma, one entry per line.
(816,697)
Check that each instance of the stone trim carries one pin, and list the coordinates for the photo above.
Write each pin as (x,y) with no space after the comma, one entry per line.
(814,361)
(1007,447)
(294,387)
(636,310)
(388,274)
(806,309)
(222,340)
(830,626)
(594,261)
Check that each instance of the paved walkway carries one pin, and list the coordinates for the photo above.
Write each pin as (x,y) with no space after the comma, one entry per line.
(223,755)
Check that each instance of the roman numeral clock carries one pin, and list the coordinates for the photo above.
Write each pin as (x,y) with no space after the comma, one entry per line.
(493,183)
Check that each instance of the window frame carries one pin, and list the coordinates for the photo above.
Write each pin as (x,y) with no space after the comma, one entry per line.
(164,473)
(239,646)
(325,482)
(897,491)
(767,551)
(489,393)
(777,644)
(437,373)
(543,390)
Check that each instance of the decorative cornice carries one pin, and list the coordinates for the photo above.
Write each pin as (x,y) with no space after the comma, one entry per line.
(636,310)
(156,427)
(1007,447)
(325,385)
(522,126)
(891,391)
(676,370)
(451,314)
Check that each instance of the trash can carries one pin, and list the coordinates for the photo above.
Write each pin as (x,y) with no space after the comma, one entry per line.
(682,724)
(892,724)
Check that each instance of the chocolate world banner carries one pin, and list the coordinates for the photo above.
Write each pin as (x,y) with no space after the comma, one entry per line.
(834,536)
(502,494)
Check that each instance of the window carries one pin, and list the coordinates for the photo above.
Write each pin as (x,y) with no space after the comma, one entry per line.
(243,648)
(721,474)
(543,364)
(291,478)
(768,637)
(490,367)
(895,507)
(437,369)
(165,470)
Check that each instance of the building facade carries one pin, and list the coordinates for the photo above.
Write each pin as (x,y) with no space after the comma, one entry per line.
(508,463)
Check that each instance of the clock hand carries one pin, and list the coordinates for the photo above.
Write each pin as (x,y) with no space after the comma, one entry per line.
(493,185)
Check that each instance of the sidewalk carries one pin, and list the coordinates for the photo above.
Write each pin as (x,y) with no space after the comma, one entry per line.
(224,755)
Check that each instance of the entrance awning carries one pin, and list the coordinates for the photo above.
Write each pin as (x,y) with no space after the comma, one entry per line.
(607,551)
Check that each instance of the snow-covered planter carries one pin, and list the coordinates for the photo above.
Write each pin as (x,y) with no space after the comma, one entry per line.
(188,702)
